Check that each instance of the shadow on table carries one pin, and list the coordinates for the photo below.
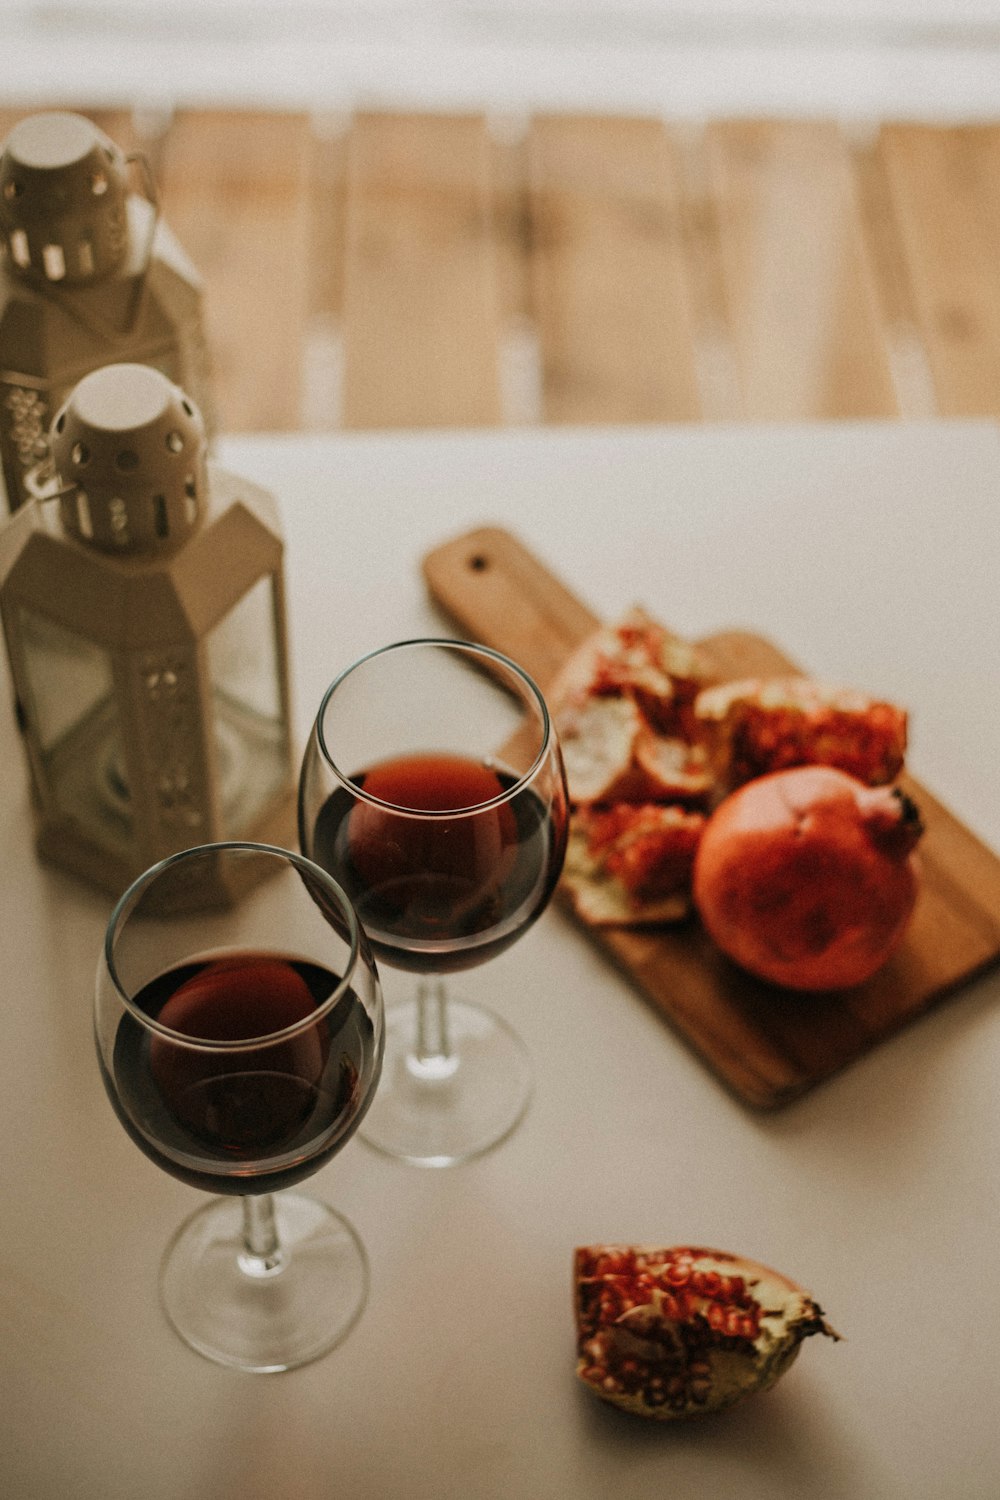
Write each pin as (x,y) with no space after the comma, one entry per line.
(781,1440)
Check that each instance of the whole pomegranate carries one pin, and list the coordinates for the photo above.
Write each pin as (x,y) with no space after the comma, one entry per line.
(807,877)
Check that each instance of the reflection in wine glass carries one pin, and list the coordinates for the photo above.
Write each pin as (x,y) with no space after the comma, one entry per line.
(240,1045)
(432,788)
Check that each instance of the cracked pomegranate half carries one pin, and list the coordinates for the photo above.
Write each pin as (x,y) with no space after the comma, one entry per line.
(670,1333)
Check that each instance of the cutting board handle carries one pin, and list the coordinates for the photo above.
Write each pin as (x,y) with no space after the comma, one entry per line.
(500,595)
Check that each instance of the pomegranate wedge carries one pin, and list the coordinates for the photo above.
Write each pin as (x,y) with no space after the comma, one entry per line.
(677,1332)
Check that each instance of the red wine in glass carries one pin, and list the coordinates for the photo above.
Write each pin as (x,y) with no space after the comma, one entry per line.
(243,1121)
(240,1038)
(432,788)
(447,892)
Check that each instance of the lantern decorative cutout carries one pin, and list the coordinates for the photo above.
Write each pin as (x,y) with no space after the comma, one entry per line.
(144,614)
(90,275)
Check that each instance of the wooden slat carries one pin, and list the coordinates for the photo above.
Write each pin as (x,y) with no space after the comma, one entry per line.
(943,185)
(512,228)
(610,290)
(911,376)
(420,296)
(235,190)
(322,355)
(882,237)
(327,221)
(801,303)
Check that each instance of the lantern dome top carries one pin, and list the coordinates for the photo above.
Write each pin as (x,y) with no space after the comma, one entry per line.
(125,397)
(63,195)
(52,139)
(129,448)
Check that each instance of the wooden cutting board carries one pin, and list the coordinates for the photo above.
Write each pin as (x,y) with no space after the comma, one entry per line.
(767,1044)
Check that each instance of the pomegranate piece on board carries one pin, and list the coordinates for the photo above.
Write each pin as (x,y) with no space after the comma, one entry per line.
(639,659)
(758,725)
(632,863)
(611,755)
(671,1333)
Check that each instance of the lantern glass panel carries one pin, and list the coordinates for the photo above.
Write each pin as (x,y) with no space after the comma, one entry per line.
(76,719)
(252,744)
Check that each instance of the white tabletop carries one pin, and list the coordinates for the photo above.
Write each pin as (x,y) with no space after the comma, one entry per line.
(871,553)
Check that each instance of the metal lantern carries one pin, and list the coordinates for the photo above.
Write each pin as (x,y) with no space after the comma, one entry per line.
(90,275)
(144,615)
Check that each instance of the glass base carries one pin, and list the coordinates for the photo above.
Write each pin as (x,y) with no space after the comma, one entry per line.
(442,1110)
(263,1317)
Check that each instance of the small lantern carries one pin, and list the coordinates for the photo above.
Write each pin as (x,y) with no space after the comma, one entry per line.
(144,614)
(90,276)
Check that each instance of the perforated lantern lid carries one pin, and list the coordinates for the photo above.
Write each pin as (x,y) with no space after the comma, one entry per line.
(129,448)
(63,193)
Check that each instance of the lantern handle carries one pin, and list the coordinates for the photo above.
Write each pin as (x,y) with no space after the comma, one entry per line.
(152,196)
(141,160)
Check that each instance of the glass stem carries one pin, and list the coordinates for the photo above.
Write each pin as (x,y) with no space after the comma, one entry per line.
(261,1255)
(433,1058)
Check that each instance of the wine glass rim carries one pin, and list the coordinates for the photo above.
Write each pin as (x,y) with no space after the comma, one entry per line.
(448,643)
(233,1044)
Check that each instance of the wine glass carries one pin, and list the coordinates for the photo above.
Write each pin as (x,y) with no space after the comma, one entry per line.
(239,1031)
(433,789)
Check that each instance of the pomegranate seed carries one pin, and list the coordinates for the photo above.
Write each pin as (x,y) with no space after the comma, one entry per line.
(685,1306)
(614,1263)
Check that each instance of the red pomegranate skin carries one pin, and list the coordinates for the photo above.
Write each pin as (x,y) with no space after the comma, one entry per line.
(808,878)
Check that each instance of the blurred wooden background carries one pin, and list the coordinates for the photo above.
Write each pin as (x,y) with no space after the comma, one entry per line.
(402,270)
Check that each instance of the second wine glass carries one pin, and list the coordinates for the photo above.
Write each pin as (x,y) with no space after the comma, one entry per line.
(433,790)
(238,1021)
